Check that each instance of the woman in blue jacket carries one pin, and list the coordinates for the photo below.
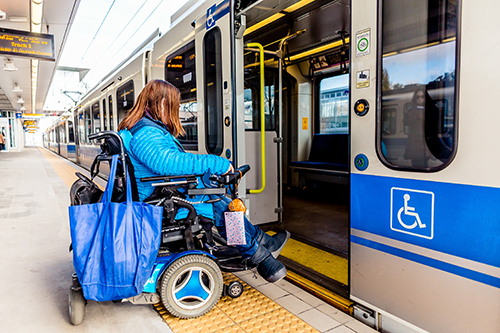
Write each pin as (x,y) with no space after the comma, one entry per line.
(149,133)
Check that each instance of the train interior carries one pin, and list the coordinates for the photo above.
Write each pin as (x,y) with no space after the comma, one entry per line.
(315,128)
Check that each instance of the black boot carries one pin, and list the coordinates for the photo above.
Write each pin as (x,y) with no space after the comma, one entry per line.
(274,243)
(268,267)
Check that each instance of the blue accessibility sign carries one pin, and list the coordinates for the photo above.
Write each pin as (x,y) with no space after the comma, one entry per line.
(412,212)
(210,22)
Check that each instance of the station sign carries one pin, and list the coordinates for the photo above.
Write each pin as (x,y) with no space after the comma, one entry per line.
(33,115)
(27,44)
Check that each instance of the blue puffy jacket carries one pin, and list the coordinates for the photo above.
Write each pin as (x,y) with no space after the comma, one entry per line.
(155,152)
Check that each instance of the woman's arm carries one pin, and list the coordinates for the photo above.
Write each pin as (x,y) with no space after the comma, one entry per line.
(159,153)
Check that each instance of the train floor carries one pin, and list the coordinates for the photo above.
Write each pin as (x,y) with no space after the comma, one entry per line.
(37,267)
(317,217)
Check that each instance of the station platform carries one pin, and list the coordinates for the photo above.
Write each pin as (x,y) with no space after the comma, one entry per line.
(36,270)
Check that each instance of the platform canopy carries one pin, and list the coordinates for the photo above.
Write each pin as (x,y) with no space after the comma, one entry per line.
(24,81)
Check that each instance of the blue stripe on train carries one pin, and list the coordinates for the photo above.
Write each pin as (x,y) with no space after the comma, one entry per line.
(460,220)
(444,266)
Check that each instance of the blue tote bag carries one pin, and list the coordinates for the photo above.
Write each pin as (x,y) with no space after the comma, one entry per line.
(114,244)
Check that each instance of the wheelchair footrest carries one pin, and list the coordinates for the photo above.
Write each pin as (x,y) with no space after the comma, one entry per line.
(145,298)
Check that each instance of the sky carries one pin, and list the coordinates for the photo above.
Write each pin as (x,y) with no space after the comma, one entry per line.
(421,66)
(105,32)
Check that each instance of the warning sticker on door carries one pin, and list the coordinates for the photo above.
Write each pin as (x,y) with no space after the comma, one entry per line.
(363,79)
(362,43)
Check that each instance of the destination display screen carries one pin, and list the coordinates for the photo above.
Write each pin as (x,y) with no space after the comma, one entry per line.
(27,44)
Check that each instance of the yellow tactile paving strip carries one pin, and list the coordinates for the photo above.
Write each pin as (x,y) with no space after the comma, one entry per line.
(323,262)
(62,167)
(251,312)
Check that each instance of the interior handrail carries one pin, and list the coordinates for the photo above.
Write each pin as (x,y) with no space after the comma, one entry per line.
(262,120)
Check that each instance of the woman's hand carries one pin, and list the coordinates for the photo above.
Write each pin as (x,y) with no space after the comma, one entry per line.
(231,169)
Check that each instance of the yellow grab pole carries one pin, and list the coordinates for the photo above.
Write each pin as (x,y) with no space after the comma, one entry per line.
(262,120)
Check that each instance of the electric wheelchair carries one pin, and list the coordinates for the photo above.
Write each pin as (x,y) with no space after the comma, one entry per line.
(186,276)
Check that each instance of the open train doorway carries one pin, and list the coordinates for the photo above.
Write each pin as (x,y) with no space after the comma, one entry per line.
(299,89)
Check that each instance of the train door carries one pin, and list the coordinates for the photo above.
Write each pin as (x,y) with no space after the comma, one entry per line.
(423,231)
(216,94)
(295,99)
(4,129)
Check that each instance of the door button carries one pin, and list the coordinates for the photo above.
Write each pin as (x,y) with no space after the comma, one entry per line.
(361,107)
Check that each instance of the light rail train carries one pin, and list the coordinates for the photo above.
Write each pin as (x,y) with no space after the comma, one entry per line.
(370,127)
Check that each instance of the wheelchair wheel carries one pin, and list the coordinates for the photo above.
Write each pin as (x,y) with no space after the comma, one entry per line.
(235,289)
(76,306)
(191,286)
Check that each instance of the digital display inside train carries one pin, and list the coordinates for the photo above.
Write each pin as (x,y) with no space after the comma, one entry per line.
(27,44)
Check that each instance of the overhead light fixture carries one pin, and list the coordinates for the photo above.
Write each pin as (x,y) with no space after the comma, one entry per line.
(36,26)
(22,108)
(17,88)
(277,16)
(9,65)
(20,100)
(18,19)
(3,15)
(36,15)
(262,23)
(296,6)
(318,49)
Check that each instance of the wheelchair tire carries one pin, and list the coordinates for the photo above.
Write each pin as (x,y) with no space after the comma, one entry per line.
(76,304)
(191,286)
(235,289)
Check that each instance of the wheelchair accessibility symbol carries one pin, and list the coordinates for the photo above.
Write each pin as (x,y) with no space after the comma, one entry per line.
(412,212)
(210,17)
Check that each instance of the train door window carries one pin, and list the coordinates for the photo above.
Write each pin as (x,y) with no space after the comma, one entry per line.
(252,98)
(88,124)
(96,118)
(71,133)
(334,105)
(81,127)
(104,115)
(110,110)
(213,91)
(124,99)
(418,78)
(180,70)
(62,133)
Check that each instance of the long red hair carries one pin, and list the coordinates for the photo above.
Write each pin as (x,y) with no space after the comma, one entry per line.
(151,98)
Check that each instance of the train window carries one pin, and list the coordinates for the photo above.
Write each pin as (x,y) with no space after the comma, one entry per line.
(88,124)
(189,121)
(416,130)
(124,99)
(334,105)
(389,118)
(81,128)
(251,98)
(180,70)
(104,115)
(62,133)
(71,133)
(110,110)
(213,91)
(96,118)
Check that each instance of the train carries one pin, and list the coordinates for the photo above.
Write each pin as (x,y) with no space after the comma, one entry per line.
(370,127)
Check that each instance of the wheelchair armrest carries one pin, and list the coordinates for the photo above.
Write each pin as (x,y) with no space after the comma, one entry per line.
(206,191)
(169,178)
(176,183)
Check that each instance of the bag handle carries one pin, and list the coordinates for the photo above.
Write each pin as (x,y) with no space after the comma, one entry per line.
(129,190)
(111,180)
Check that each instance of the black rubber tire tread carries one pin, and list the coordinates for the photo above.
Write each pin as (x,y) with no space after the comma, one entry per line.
(171,274)
(235,292)
(76,309)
